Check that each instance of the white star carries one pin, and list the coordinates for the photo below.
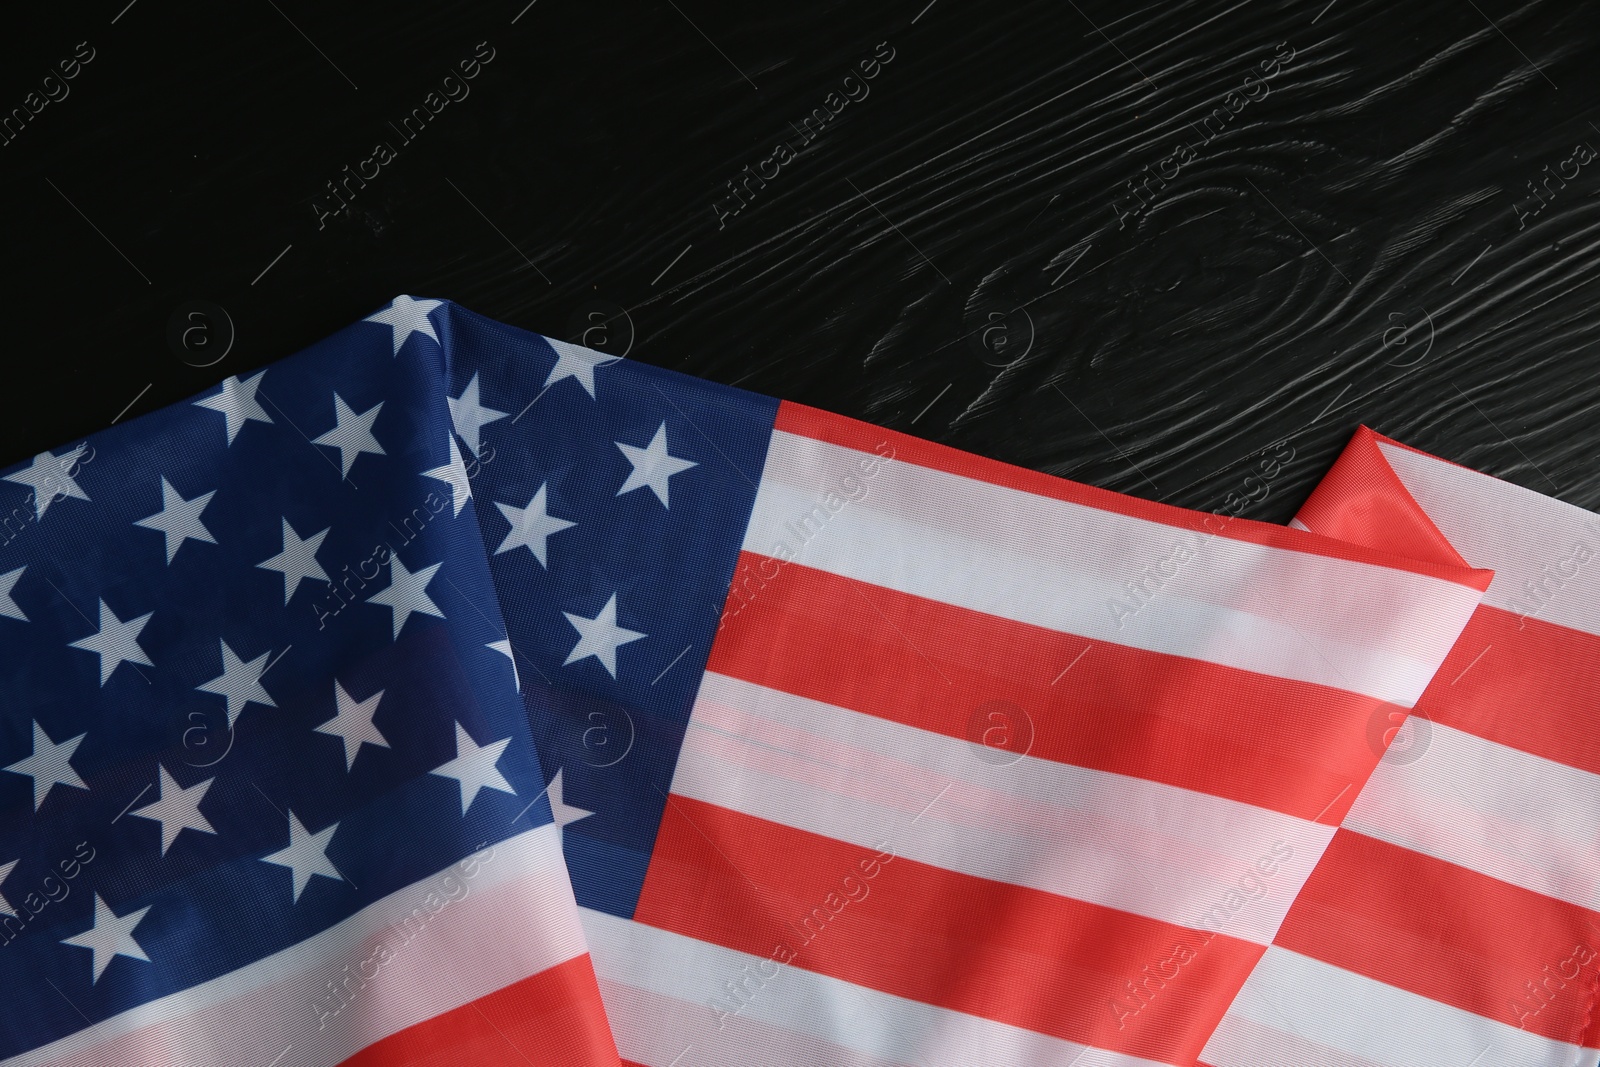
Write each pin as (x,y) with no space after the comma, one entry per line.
(470,416)
(49,765)
(474,767)
(298,560)
(564,813)
(110,936)
(306,855)
(238,404)
(652,466)
(503,646)
(50,477)
(407,316)
(179,519)
(116,643)
(353,723)
(176,808)
(600,636)
(8,606)
(239,683)
(5,872)
(407,593)
(353,433)
(530,526)
(578,363)
(453,474)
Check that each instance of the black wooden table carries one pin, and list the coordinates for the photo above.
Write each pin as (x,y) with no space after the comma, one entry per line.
(1139,246)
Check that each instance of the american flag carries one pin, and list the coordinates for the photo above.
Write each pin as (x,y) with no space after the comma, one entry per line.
(448,693)
(1455,917)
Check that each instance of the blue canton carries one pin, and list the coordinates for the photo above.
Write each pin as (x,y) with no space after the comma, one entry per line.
(253,673)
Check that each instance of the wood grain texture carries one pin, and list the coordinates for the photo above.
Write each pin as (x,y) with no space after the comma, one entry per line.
(1349,238)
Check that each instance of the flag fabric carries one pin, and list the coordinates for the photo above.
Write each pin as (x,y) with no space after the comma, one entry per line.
(871,751)
(267,794)
(447,693)
(1455,917)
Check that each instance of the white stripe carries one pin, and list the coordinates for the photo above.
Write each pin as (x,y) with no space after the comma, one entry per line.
(1239,1040)
(1155,850)
(1492,809)
(1366,1021)
(1063,566)
(1521,535)
(459,949)
(659,990)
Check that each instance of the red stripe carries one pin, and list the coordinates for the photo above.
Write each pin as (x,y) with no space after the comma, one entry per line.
(553,1017)
(1449,934)
(864,437)
(1018,956)
(1289,746)
(1362,500)
(1523,683)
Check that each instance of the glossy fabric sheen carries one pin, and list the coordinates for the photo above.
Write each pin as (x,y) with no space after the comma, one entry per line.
(826,745)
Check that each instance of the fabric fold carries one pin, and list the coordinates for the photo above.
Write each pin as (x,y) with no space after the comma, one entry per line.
(1363,501)
(1455,917)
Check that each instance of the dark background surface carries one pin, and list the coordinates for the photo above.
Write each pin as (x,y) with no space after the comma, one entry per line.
(957,254)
